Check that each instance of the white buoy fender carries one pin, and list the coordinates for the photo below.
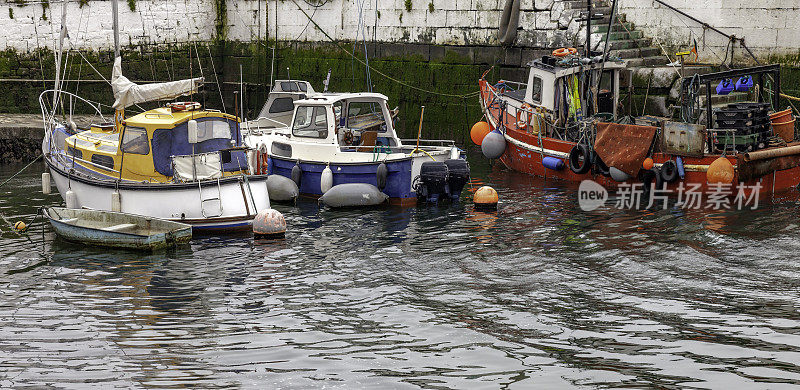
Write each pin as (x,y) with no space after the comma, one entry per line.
(326,180)
(281,188)
(46,183)
(71,199)
(493,145)
(618,175)
(269,222)
(454,153)
(353,195)
(116,202)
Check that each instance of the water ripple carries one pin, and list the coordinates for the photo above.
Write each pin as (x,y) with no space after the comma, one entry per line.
(536,294)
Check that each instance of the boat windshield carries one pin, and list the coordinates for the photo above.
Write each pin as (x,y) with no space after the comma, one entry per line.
(280,105)
(310,121)
(364,116)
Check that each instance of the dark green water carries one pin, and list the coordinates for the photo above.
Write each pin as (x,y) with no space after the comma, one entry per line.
(536,295)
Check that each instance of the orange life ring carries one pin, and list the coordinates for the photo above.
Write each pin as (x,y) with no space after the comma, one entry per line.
(520,123)
(564,51)
(183,106)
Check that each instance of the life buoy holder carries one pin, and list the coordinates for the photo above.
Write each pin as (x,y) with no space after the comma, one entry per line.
(564,51)
(183,106)
(523,124)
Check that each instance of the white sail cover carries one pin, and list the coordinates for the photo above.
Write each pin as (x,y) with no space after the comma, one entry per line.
(128,93)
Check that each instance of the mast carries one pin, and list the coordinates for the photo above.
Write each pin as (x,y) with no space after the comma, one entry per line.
(62,34)
(115,13)
(588,52)
(119,114)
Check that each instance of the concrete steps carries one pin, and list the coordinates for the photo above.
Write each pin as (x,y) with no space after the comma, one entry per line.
(617,35)
(626,44)
(581,4)
(637,52)
(617,27)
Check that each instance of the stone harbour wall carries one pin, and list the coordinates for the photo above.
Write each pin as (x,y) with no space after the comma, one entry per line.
(30,25)
(770,28)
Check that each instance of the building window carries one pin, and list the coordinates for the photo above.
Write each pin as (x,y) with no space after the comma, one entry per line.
(135,141)
(310,122)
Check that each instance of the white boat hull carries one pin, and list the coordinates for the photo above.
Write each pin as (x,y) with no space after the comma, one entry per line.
(235,208)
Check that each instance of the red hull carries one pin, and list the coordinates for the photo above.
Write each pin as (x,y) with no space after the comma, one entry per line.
(522,154)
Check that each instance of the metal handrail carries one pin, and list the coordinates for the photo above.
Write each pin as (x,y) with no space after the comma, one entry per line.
(712,28)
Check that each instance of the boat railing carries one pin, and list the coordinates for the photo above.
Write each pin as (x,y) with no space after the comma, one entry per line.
(157,115)
(66,158)
(429,142)
(519,85)
(279,123)
(49,117)
(527,115)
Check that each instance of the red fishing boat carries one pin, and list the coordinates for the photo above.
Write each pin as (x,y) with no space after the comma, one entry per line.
(564,123)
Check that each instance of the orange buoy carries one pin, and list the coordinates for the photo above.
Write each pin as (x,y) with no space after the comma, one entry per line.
(720,171)
(479,132)
(20,226)
(485,198)
(647,164)
(269,223)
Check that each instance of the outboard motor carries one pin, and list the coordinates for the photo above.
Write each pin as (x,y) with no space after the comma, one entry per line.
(432,181)
(457,177)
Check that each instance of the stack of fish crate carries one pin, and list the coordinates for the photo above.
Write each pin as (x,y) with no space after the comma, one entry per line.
(742,127)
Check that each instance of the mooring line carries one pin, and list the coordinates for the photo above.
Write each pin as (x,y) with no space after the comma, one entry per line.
(471,94)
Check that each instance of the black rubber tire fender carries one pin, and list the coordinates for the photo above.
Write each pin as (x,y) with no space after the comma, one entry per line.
(600,166)
(669,171)
(575,154)
(509,22)
(648,176)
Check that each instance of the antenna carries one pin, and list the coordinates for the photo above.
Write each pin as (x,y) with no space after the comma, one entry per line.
(327,81)
(287,73)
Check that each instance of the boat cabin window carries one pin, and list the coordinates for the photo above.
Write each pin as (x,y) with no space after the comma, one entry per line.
(102,160)
(365,116)
(213,129)
(536,87)
(280,105)
(291,86)
(310,122)
(288,86)
(135,141)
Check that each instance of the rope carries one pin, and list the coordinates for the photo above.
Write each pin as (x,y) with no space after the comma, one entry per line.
(785,96)
(11,225)
(471,94)
(20,171)
(420,150)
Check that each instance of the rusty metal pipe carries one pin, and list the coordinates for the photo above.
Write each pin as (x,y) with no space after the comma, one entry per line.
(772,153)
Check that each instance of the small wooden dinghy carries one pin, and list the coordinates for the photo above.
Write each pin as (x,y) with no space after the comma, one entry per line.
(119,230)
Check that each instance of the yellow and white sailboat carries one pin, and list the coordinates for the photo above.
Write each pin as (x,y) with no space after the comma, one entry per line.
(179,162)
